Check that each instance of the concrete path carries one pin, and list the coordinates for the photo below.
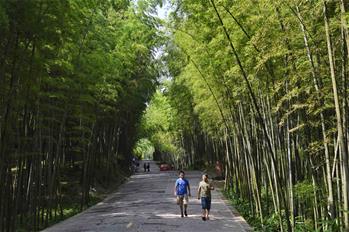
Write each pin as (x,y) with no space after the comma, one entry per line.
(146,203)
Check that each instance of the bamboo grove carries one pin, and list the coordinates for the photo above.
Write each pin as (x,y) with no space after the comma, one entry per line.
(263,87)
(74,80)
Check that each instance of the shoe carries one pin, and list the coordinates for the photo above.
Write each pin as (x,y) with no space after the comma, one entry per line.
(182,215)
(203,218)
(185,213)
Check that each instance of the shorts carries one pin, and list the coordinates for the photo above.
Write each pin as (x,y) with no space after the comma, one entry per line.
(206,203)
(182,199)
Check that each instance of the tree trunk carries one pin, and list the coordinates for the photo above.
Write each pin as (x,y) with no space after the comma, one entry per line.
(330,199)
(343,146)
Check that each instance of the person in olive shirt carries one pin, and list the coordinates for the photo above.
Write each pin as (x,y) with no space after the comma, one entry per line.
(204,192)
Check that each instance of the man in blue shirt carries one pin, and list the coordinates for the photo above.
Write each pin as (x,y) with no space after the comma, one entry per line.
(182,191)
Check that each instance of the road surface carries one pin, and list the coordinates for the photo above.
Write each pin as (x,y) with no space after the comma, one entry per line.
(145,203)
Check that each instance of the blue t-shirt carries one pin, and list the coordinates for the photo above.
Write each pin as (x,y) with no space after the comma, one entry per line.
(181,186)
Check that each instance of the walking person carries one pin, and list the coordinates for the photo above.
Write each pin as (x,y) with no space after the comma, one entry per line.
(219,170)
(148,167)
(204,193)
(182,192)
(145,167)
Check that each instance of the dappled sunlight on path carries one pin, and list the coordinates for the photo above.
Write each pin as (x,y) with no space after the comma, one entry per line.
(146,203)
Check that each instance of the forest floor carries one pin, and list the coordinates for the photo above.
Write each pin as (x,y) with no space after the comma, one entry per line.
(71,192)
(146,203)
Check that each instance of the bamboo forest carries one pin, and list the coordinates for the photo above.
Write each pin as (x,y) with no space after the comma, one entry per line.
(261,86)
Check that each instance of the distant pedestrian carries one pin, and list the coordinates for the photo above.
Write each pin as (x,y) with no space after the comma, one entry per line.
(219,170)
(182,192)
(204,193)
(133,167)
(145,167)
(148,167)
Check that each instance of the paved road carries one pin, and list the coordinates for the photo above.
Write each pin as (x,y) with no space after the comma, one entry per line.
(146,203)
